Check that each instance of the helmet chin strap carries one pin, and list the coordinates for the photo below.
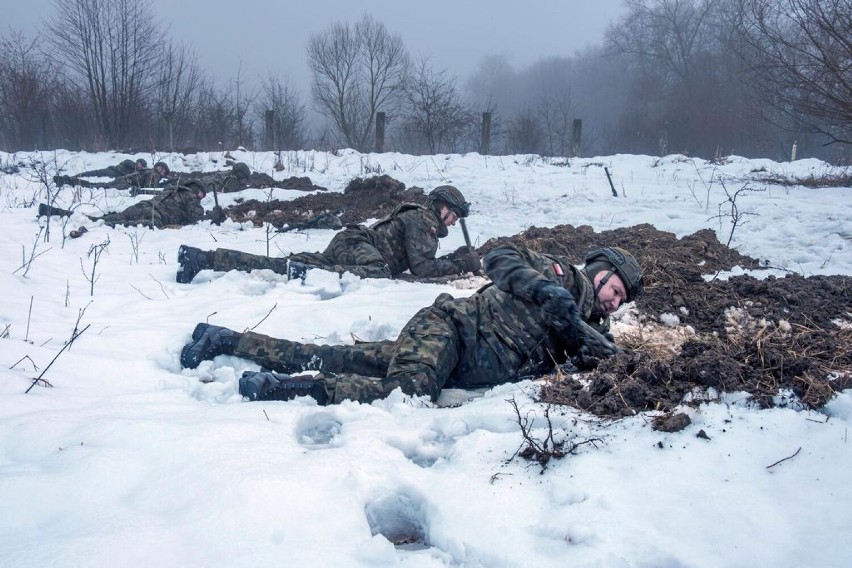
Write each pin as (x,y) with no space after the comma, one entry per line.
(600,286)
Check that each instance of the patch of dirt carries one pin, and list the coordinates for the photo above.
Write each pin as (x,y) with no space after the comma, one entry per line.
(362,199)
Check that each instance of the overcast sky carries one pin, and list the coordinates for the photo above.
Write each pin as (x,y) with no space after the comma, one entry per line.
(269,36)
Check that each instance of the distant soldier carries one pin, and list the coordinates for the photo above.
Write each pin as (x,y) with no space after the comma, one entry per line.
(175,205)
(154,177)
(235,179)
(407,239)
(123,168)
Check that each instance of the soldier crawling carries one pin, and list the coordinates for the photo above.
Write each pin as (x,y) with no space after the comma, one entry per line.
(141,177)
(123,168)
(525,322)
(175,205)
(407,239)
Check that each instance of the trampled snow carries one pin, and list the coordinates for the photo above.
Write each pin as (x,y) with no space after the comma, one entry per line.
(129,460)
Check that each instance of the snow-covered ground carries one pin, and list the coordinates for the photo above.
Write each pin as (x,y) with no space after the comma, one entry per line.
(130,460)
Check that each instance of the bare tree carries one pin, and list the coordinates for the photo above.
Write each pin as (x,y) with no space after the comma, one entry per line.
(800,52)
(242,98)
(179,84)
(434,111)
(525,133)
(288,111)
(668,32)
(356,71)
(111,47)
(26,80)
(215,126)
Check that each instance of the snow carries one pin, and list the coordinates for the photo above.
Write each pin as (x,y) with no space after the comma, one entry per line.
(130,460)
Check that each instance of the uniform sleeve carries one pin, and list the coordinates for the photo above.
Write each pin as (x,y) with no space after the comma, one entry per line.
(519,271)
(421,244)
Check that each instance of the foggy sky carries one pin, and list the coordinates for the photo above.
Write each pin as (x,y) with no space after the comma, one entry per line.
(268,37)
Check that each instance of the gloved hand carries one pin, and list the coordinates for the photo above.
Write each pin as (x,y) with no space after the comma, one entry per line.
(585,360)
(468,262)
(557,305)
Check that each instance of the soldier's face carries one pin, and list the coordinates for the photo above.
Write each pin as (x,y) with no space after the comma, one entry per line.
(161,171)
(612,294)
(448,216)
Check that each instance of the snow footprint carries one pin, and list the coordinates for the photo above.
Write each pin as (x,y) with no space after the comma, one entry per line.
(425,451)
(319,431)
(400,517)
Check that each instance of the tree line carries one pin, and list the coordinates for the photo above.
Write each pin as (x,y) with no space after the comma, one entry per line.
(701,77)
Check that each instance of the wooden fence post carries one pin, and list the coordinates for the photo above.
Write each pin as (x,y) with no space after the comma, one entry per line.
(270,129)
(485,141)
(380,132)
(577,138)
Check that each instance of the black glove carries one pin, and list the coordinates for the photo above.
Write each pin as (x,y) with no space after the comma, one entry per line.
(557,305)
(468,262)
(585,360)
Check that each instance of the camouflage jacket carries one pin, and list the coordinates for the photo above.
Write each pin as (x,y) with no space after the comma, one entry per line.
(411,232)
(142,178)
(123,168)
(173,206)
(223,182)
(502,332)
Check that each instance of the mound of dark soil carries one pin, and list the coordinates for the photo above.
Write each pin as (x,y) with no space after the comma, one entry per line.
(362,199)
(757,336)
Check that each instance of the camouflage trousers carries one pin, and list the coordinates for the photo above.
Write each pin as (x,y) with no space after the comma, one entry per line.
(419,361)
(355,249)
(140,214)
(226,259)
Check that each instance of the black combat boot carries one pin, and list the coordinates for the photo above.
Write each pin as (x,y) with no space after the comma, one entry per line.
(261,385)
(192,261)
(208,341)
(47,210)
(297,270)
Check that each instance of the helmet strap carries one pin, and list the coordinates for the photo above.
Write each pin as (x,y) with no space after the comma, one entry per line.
(600,286)
(447,214)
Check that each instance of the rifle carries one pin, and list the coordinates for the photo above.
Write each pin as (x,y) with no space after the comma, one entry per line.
(134,191)
(465,233)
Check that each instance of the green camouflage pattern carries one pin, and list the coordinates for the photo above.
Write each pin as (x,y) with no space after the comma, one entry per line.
(173,206)
(407,239)
(142,178)
(227,259)
(356,249)
(495,336)
(222,182)
(125,167)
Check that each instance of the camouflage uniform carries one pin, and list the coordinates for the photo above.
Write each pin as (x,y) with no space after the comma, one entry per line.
(495,336)
(123,168)
(142,178)
(222,182)
(407,239)
(173,206)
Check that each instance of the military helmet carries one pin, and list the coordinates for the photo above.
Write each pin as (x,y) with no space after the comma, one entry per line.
(241,170)
(623,263)
(195,186)
(452,197)
(142,163)
(163,165)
